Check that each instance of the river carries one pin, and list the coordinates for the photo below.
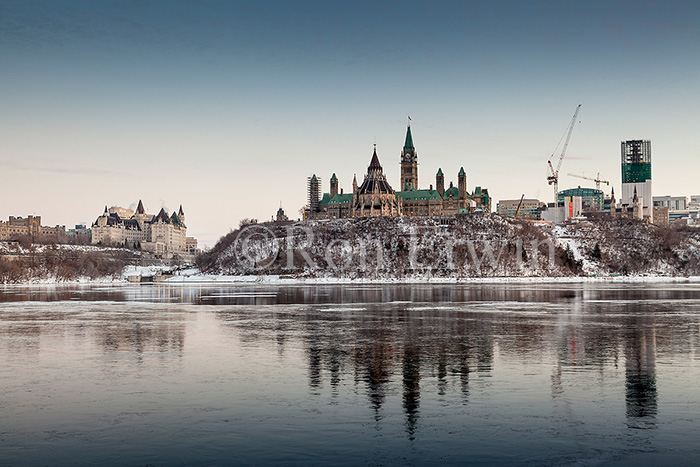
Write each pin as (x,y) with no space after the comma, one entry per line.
(482,374)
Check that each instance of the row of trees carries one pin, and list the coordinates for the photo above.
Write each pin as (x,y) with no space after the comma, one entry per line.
(63,264)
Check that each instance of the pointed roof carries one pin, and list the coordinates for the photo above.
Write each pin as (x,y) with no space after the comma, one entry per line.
(162,216)
(461,171)
(408,145)
(439,173)
(334,178)
(374,164)
(140,209)
(181,212)
(105,209)
(451,192)
(375,180)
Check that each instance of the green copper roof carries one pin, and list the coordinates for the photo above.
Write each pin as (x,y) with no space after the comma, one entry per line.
(314,177)
(415,195)
(477,191)
(334,178)
(453,190)
(325,200)
(341,199)
(461,171)
(439,174)
(408,146)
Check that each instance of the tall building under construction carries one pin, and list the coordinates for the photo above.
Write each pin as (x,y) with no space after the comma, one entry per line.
(636,175)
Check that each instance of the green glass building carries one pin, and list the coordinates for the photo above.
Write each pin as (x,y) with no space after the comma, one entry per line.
(590,197)
(636,161)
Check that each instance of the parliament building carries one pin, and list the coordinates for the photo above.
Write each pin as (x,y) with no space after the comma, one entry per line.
(376,198)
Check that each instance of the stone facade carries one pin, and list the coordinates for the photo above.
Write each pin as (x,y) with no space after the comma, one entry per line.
(30,226)
(160,234)
(375,197)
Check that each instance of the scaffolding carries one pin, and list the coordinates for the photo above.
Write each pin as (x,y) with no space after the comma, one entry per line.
(313,185)
(636,161)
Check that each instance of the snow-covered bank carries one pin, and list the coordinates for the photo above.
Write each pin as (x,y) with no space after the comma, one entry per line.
(191,277)
(286,280)
(460,249)
(457,248)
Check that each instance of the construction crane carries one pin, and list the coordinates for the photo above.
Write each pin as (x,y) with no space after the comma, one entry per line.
(597,180)
(519,204)
(553,177)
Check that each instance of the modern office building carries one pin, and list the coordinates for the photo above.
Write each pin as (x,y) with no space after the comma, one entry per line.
(673,203)
(591,198)
(636,175)
(529,208)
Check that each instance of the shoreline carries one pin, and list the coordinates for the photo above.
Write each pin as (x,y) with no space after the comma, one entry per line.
(274,280)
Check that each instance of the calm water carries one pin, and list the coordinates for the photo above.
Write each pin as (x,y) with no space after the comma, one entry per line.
(371,375)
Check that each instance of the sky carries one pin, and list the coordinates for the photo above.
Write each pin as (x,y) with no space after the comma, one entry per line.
(226,107)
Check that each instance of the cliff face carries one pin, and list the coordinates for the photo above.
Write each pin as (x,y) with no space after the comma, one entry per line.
(453,247)
(632,247)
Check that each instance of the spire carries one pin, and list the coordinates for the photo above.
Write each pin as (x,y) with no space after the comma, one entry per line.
(105,213)
(181,212)
(334,178)
(439,173)
(635,198)
(139,209)
(461,171)
(408,145)
(374,164)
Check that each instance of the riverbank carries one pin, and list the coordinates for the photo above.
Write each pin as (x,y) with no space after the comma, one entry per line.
(193,277)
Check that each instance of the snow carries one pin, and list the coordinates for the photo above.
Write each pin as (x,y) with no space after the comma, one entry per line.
(194,277)
(286,280)
(624,252)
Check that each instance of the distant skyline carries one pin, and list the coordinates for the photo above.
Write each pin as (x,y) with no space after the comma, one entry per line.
(226,107)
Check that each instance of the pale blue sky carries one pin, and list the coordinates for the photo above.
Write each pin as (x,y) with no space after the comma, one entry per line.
(226,107)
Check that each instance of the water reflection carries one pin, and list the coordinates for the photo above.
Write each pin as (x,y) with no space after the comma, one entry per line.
(438,348)
(552,372)
(640,376)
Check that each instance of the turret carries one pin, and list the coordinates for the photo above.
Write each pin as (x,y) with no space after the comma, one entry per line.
(462,183)
(334,185)
(440,182)
(181,215)
(612,199)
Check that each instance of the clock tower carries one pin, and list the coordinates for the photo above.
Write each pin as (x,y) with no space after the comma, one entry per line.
(409,164)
